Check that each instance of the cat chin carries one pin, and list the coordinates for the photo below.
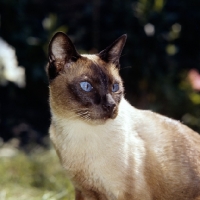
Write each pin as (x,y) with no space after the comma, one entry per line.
(103,119)
(100,121)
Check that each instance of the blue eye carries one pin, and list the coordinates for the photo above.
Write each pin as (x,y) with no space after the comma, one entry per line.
(115,87)
(86,86)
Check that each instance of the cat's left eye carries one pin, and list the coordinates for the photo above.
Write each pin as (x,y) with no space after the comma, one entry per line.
(115,87)
(86,86)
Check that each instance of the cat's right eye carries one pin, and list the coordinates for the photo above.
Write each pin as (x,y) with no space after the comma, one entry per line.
(115,87)
(86,86)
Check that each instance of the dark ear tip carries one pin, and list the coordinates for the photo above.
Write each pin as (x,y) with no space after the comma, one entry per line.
(58,35)
(124,36)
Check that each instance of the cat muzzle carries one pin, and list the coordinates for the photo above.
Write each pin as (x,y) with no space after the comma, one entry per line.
(109,106)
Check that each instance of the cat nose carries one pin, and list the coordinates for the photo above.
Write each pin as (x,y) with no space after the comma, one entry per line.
(109,104)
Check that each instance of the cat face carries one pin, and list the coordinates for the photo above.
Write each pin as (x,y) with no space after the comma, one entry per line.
(87,87)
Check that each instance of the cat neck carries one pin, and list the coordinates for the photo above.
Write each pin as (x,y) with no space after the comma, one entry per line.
(113,133)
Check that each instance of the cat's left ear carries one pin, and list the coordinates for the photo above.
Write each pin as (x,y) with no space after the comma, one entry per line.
(61,53)
(113,52)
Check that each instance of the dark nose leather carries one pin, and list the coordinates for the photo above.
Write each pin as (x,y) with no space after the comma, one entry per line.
(109,103)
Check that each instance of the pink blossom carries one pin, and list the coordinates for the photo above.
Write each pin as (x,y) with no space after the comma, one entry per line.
(194,78)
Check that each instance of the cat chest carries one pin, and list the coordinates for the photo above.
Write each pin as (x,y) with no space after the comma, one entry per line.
(91,164)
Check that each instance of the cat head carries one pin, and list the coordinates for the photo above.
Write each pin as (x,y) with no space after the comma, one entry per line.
(87,87)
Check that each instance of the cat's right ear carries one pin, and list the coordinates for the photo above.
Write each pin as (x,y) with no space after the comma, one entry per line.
(113,52)
(61,53)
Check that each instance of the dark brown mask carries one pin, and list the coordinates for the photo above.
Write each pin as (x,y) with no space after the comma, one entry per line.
(85,86)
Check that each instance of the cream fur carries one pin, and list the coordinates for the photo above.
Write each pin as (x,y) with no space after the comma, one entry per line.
(102,151)
(128,154)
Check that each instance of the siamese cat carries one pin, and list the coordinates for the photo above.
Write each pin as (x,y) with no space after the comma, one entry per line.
(109,149)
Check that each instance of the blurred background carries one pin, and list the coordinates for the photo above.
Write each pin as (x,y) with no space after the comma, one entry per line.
(160,66)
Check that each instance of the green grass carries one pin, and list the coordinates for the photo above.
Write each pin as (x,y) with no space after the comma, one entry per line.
(37,176)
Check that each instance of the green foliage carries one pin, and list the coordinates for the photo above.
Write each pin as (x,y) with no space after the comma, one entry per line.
(37,176)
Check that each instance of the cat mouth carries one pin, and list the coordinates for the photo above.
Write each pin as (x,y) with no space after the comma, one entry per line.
(98,116)
(111,115)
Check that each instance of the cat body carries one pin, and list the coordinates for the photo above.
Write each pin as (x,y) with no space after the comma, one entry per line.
(109,149)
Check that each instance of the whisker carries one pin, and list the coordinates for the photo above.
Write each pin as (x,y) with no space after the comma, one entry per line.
(122,55)
(128,67)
